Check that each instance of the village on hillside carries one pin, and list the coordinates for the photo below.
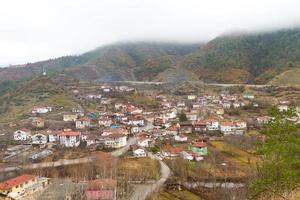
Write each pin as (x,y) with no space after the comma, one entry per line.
(120,136)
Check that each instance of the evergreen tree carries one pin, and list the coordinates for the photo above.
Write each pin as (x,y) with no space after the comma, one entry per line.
(182,117)
(279,169)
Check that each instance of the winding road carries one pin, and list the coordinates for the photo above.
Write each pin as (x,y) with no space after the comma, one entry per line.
(141,192)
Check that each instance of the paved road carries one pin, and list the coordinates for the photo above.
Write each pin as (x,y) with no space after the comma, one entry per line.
(141,192)
(231,85)
(137,82)
(123,150)
(208,84)
(64,162)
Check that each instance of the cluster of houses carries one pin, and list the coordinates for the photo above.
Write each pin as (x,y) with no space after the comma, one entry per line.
(110,138)
(195,150)
(111,127)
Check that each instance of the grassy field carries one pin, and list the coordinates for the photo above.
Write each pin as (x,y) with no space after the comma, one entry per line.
(175,195)
(61,100)
(239,163)
(141,169)
(290,77)
(138,100)
(242,160)
(235,154)
(17,111)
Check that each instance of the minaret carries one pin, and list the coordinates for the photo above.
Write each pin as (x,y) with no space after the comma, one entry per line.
(44,72)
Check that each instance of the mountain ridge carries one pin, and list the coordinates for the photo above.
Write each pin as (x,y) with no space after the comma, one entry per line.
(236,58)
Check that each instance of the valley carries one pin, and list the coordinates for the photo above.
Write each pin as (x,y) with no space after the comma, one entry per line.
(185,139)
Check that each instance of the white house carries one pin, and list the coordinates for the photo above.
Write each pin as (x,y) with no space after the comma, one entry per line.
(248,96)
(226,105)
(173,130)
(282,107)
(186,156)
(136,121)
(115,141)
(264,120)
(82,123)
(192,97)
(41,109)
(233,127)
(139,152)
(171,114)
(39,138)
(180,104)
(236,105)
(22,135)
(136,111)
(106,90)
(196,105)
(52,137)
(212,125)
(106,122)
(143,142)
(227,127)
(134,129)
(69,138)
(180,138)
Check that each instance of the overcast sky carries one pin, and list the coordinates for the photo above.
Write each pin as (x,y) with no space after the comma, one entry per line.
(32,30)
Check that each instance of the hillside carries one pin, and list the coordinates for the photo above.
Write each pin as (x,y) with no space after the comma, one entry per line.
(42,90)
(128,61)
(132,61)
(246,57)
(289,77)
(238,58)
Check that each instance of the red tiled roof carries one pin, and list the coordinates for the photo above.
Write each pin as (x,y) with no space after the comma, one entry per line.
(116,131)
(173,149)
(187,123)
(143,135)
(227,123)
(199,144)
(172,128)
(70,133)
(115,135)
(200,123)
(16,181)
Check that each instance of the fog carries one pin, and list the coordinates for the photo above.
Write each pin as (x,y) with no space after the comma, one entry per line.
(35,30)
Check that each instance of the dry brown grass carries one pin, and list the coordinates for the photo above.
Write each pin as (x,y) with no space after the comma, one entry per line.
(138,169)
